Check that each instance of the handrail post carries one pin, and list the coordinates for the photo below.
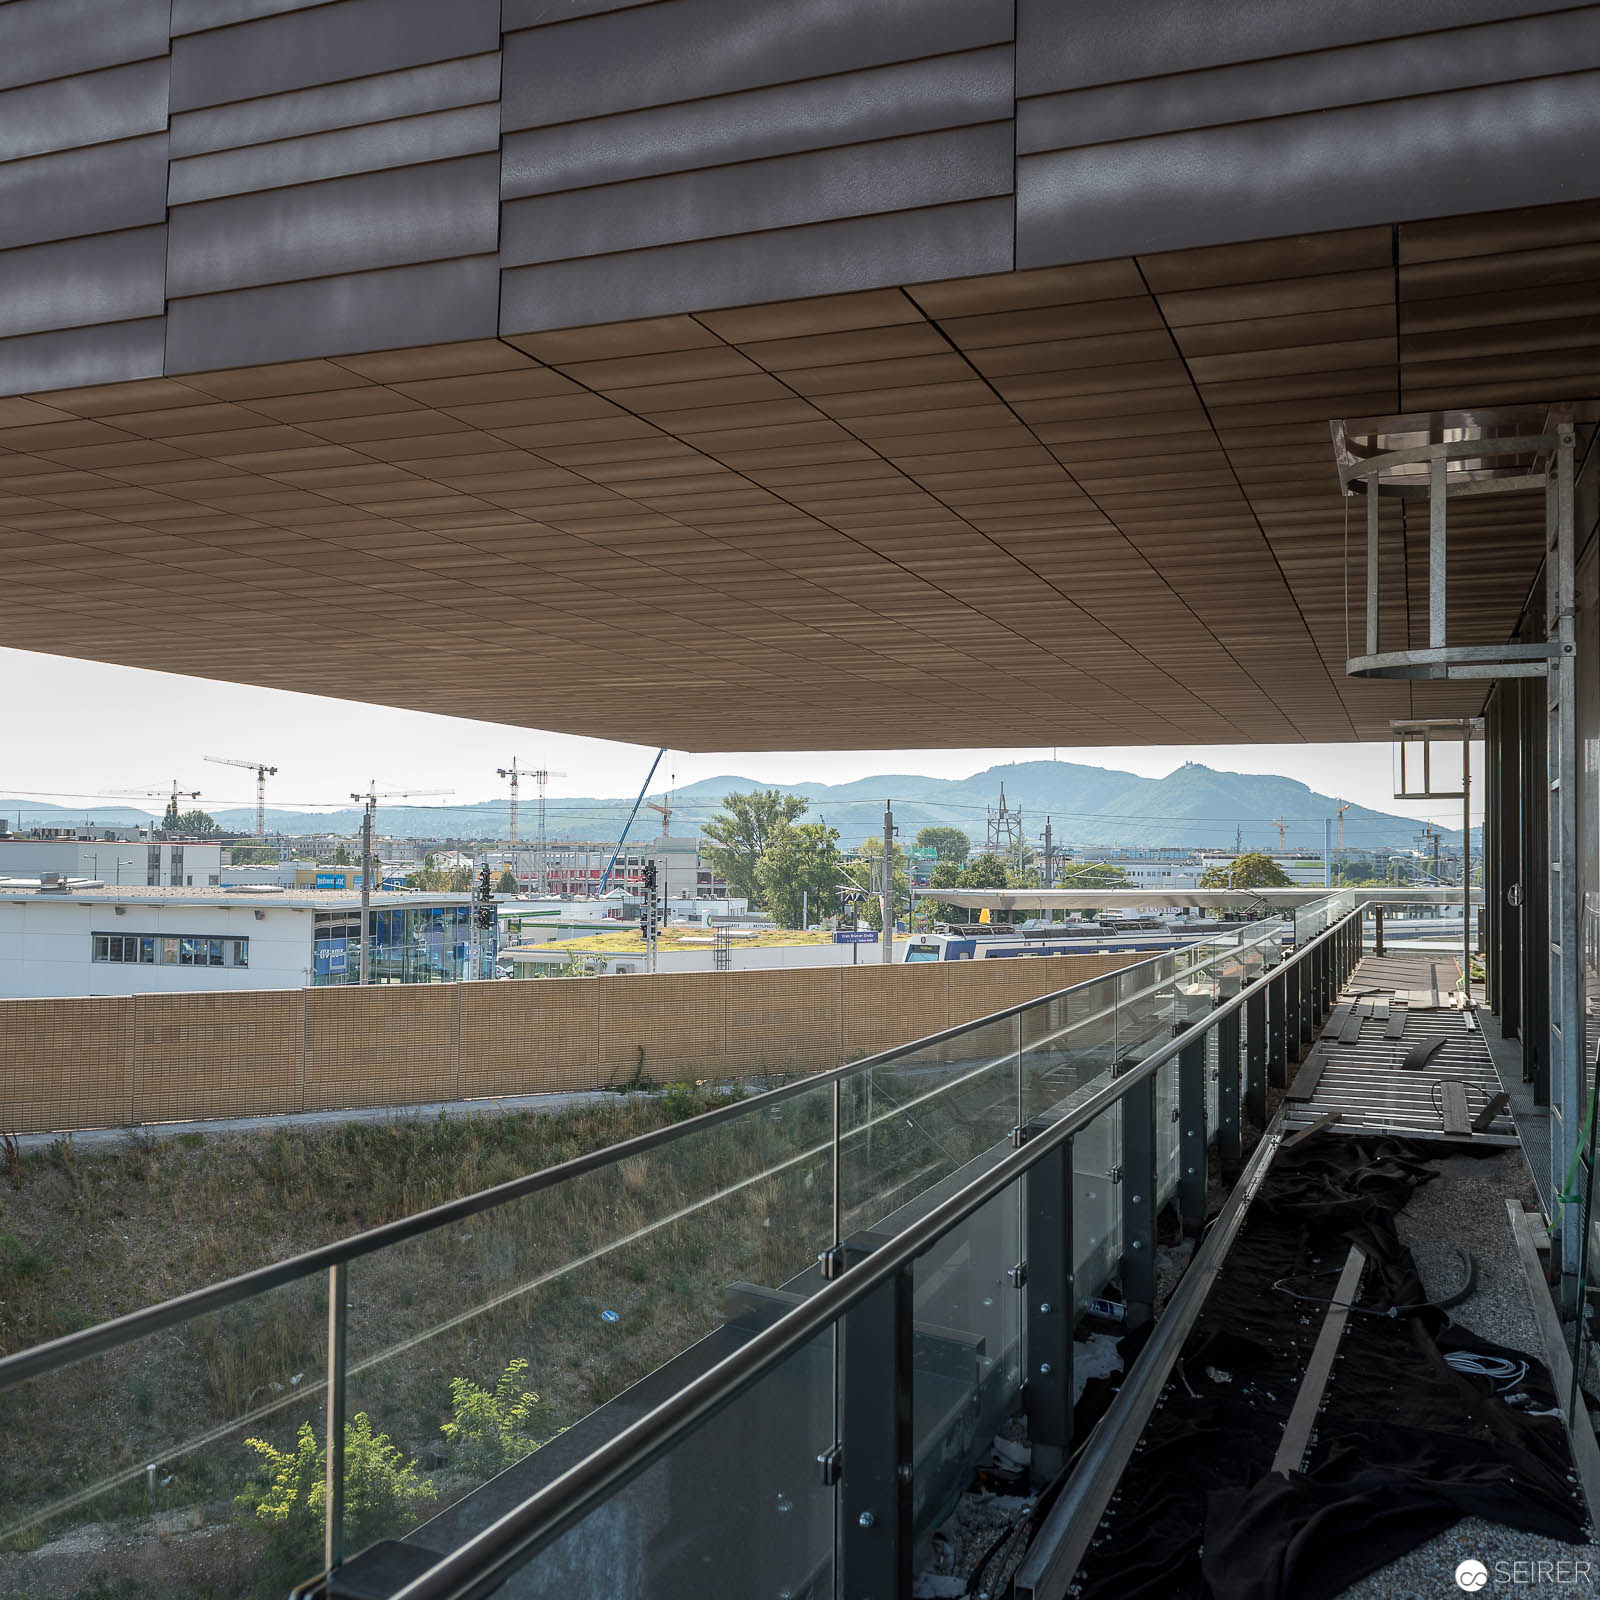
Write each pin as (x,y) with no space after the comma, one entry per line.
(1193,1136)
(875,1483)
(338,1302)
(1255,1067)
(1050,1298)
(1305,964)
(1229,1144)
(1139,1201)
(1277,1031)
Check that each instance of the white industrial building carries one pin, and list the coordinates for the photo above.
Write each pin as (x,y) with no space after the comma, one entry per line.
(163,863)
(106,940)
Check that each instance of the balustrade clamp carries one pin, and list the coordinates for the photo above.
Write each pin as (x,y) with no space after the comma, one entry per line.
(831,1262)
(830,1465)
(1018,1275)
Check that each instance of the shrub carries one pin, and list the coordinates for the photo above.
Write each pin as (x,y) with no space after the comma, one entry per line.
(487,1431)
(287,1490)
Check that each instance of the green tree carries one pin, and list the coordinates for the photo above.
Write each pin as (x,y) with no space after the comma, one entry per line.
(341,856)
(255,855)
(287,1490)
(488,1430)
(197,825)
(737,837)
(867,873)
(801,863)
(169,817)
(1253,870)
(951,843)
(1091,875)
(506,883)
(983,871)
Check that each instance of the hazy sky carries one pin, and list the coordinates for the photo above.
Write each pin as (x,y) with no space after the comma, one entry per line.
(73,730)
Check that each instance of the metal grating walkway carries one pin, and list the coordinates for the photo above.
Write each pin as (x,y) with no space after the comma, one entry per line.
(1394,1005)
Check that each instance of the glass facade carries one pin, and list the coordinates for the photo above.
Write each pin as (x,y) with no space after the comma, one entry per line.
(410,944)
(171,950)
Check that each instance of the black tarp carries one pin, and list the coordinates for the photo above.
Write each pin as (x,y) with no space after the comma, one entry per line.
(1405,1444)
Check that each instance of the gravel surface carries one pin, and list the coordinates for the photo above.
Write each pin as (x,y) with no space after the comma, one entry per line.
(1466,1207)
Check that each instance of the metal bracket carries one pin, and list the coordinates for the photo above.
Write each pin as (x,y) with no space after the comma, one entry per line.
(1019,1136)
(831,1262)
(1114,1174)
(830,1465)
(1018,1275)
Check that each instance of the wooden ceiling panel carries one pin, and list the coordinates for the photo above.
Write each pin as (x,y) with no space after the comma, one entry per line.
(1097,501)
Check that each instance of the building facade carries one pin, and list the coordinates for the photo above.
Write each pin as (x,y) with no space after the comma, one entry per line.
(164,863)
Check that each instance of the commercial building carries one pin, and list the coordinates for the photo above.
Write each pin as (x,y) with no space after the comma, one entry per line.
(573,867)
(163,863)
(100,940)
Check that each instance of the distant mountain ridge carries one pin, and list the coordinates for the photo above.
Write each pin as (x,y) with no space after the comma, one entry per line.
(1090,807)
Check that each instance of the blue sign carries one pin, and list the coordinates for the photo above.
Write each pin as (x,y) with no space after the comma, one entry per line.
(336,880)
(394,883)
(331,956)
(856,936)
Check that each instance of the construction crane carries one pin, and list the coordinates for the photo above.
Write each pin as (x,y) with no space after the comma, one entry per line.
(542,777)
(514,773)
(171,798)
(1282,825)
(369,807)
(262,772)
(1344,806)
(665,808)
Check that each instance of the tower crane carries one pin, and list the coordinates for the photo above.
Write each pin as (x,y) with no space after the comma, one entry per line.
(1344,806)
(1282,825)
(262,772)
(666,815)
(171,798)
(369,807)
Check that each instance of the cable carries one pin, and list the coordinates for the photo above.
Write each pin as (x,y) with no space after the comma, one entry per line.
(1499,1370)
(1444,1303)
(1439,1083)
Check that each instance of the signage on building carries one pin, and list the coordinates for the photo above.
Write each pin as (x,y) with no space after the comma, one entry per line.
(856,936)
(338,880)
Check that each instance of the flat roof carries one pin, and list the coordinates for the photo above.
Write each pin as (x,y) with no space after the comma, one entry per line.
(295,899)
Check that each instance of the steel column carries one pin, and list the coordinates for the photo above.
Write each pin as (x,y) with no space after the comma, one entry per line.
(1305,967)
(1193,1136)
(1139,1201)
(875,1433)
(338,1313)
(1047,1395)
(1255,1060)
(1229,1145)
(1277,1031)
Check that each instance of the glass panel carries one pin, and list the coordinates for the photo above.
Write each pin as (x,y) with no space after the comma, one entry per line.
(1166,1132)
(967,1365)
(481,1341)
(935,1116)
(1068,1042)
(737,1508)
(161,1455)
(1096,1205)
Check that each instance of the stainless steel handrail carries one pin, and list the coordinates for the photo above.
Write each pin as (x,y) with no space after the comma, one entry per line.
(56,1353)
(480,1565)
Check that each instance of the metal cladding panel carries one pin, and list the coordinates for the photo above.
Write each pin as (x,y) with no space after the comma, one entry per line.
(825,258)
(43,39)
(344,152)
(752,197)
(439,302)
(322,44)
(1330,169)
(91,108)
(98,189)
(358,103)
(1354,75)
(74,358)
(685,49)
(535,13)
(846,108)
(102,277)
(347,225)
(195,16)
(1072,46)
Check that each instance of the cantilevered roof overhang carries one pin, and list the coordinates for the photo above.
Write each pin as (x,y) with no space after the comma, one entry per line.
(908,373)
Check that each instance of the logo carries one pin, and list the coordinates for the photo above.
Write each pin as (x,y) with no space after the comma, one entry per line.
(1472,1576)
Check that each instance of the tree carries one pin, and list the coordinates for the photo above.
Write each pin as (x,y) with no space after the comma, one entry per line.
(737,837)
(196,825)
(1092,875)
(1253,870)
(868,874)
(951,843)
(169,817)
(801,863)
(506,883)
(983,871)
(255,855)
(341,856)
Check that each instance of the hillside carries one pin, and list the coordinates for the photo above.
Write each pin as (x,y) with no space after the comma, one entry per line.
(1093,807)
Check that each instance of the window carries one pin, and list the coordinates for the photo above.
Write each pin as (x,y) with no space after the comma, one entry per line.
(149,949)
